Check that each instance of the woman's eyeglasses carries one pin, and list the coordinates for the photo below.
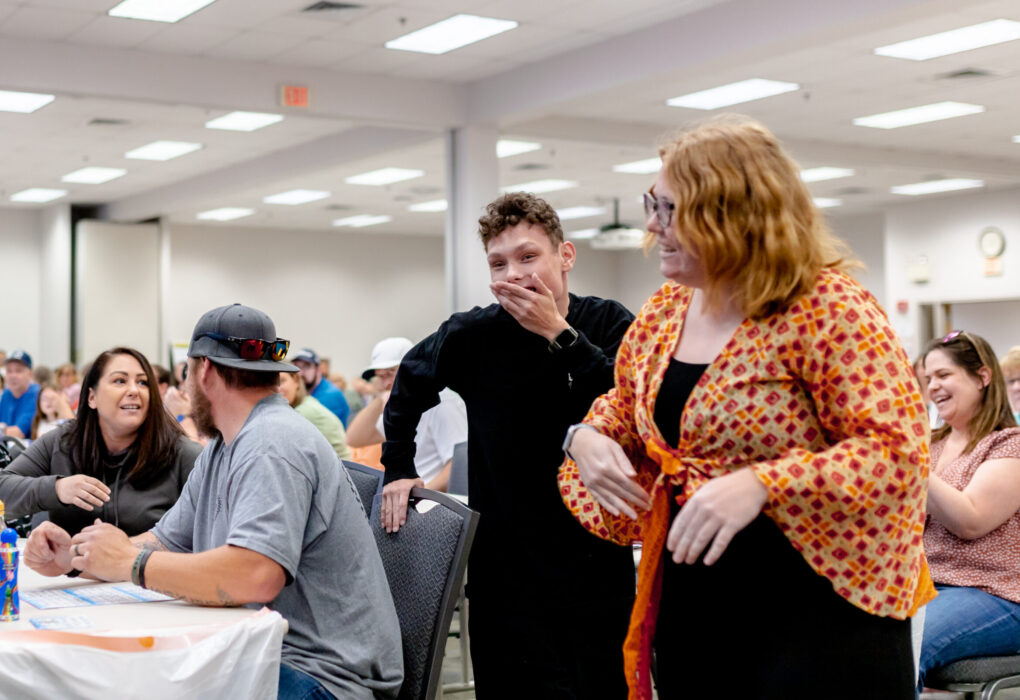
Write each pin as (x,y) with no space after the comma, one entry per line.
(663,209)
(253,348)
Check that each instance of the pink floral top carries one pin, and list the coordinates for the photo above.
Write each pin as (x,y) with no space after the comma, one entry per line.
(992,562)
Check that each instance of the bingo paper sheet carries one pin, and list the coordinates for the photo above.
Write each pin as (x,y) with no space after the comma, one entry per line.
(85,596)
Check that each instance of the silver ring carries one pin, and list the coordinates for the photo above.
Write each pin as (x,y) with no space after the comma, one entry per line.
(76,552)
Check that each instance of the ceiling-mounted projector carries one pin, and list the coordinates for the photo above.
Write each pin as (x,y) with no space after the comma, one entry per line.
(617,236)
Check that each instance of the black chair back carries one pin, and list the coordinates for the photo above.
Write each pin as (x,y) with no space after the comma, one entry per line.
(425,562)
(459,470)
(367,482)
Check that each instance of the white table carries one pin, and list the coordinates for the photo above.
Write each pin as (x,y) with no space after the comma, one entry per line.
(165,649)
(111,618)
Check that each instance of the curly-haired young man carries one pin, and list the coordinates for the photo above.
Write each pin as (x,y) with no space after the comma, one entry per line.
(527,367)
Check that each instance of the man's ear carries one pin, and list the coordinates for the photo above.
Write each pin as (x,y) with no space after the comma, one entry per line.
(568,256)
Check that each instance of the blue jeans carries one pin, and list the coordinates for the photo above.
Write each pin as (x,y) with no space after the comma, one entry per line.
(963,622)
(298,685)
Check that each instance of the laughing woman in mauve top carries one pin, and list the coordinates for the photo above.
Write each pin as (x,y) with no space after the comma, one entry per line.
(765,439)
(973,533)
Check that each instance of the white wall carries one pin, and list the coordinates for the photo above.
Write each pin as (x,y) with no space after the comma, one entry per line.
(55,285)
(865,234)
(946,231)
(20,264)
(338,293)
(117,288)
(998,322)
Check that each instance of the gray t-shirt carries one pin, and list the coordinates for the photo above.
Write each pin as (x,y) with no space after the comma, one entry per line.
(278,489)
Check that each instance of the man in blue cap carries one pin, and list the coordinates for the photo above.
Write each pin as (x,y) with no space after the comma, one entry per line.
(17,403)
(319,387)
(268,516)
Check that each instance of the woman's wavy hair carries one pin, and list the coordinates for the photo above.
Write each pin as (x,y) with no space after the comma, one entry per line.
(742,208)
(970,353)
(156,444)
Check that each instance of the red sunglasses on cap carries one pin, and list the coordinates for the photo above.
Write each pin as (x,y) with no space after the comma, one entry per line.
(253,348)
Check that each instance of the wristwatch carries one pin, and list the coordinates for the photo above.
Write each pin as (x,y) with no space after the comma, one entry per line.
(571,431)
(567,337)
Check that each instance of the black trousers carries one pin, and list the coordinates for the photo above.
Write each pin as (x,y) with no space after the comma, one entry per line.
(548,647)
(760,623)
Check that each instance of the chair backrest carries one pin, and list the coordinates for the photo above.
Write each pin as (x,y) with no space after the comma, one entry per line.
(459,470)
(14,446)
(425,562)
(367,481)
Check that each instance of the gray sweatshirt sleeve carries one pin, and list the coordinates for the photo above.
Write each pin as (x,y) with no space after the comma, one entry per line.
(28,484)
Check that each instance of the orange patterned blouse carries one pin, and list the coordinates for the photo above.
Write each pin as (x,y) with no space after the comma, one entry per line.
(821,402)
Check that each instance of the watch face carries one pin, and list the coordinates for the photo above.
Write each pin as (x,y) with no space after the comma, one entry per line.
(992,242)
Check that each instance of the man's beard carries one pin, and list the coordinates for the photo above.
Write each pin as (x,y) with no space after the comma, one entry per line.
(201,413)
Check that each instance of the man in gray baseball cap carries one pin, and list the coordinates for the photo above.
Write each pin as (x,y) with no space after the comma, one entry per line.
(275,516)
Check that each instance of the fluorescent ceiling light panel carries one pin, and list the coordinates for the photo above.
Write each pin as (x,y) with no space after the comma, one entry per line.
(506,147)
(541,186)
(640,167)
(158,10)
(384,176)
(918,115)
(825,173)
(732,94)
(825,202)
(582,234)
(94,175)
(243,121)
(37,195)
(295,197)
(362,220)
(579,212)
(451,33)
(1016,139)
(975,36)
(434,205)
(23,102)
(225,214)
(934,186)
(163,150)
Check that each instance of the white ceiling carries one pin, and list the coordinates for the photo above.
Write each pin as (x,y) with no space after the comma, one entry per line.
(588,79)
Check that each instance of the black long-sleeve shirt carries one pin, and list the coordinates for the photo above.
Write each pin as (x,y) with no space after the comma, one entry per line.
(520,399)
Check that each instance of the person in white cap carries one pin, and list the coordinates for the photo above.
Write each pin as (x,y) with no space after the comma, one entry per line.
(441,427)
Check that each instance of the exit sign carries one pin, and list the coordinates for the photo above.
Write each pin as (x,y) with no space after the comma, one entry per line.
(294,96)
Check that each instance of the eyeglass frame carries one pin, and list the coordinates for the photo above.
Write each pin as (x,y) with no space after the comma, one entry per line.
(656,204)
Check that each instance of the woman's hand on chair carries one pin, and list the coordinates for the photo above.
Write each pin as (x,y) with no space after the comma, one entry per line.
(608,474)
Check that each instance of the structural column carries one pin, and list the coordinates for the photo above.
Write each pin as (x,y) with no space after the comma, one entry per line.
(472,181)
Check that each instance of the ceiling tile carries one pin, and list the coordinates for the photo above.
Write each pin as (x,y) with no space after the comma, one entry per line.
(318,53)
(254,46)
(115,32)
(44,23)
(189,39)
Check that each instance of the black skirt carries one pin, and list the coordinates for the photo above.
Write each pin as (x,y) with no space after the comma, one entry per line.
(760,623)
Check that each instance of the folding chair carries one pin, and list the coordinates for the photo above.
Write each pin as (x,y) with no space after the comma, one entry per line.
(367,482)
(986,675)
(425,562)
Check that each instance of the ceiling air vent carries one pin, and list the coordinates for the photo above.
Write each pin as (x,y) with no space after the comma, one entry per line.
(103,121)
(848,191)
(532,166)
(326,6)
(339,207)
